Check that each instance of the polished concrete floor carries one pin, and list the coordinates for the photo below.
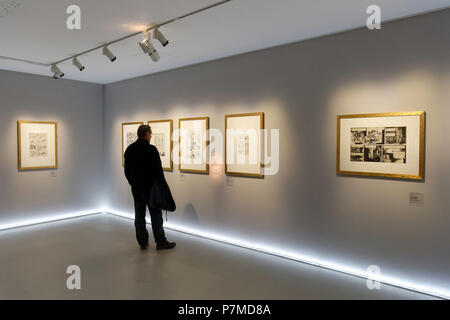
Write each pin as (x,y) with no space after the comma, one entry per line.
(33,262)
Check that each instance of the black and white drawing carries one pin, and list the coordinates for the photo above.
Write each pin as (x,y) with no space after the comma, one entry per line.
(159,141)
(357,153)
(373,153)
(129,135)
(194,140)
(162,140)
(395,154)
(243,146)
(194,146)
(380,144)
(375,135)
(131,138)
(38,145)
(359,135)
(396,135)
(388,145)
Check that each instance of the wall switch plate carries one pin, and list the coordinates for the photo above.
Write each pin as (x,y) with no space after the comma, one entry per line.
(416,199)
(182,176)
(229,181)
(53,174)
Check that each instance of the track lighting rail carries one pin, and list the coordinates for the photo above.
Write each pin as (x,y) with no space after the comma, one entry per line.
(105,45)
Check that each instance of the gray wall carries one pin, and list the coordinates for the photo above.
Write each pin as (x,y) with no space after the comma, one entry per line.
(78,110)
(301,88)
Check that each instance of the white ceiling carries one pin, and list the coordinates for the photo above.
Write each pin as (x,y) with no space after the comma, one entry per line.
(36,30)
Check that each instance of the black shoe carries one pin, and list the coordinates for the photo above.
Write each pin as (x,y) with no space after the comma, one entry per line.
(144,247)
(165,245)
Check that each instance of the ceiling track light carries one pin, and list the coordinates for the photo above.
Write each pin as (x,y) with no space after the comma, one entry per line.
(78,64)
(109,54)
(160,37)
(155,56)
(148,48)
(57,73)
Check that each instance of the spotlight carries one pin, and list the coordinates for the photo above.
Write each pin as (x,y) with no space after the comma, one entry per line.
(77,64)
(145,47)
(148,48)
(158,35)
(109,54)
(57,73)
(155,56)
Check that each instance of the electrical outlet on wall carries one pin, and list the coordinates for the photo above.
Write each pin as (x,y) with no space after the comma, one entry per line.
(182,176)
(229,181)
(53,174)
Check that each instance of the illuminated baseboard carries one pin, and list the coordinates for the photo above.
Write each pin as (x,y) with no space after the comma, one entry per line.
(296,256)
(31,222)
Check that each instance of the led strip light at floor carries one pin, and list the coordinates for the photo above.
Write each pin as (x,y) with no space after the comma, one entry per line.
(392,281)
(43,220)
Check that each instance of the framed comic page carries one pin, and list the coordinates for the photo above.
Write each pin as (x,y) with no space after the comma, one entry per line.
(244,144)
(193,145)
(37,145)
(129,136)
(388,145)
(162,131)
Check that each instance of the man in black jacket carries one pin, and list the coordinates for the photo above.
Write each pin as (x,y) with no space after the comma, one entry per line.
(142,168)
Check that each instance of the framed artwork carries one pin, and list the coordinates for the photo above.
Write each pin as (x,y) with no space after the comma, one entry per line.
(129,136)
(162,131)
(37,145)
(194,145)
(388,145)
(244,144)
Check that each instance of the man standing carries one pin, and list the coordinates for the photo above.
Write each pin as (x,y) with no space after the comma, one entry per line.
(142,168)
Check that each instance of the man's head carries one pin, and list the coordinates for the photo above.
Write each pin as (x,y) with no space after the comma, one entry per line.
(145,132)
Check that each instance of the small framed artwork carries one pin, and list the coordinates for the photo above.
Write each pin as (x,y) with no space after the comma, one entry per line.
(162,131)
(244,144)
(390,145)
(129,136)
(37,145)
(194,142)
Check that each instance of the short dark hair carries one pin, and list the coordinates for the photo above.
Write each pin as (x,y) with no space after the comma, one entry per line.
(142,131)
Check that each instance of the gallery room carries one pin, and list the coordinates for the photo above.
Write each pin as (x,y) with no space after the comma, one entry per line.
(224,150)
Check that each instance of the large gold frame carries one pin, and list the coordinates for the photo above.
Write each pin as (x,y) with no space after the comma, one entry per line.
(19,140)
(171,141)
(123,145)
(206,145)
(243,174)
(421,175)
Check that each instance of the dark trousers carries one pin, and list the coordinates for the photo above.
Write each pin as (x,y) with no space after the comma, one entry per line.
(141,202)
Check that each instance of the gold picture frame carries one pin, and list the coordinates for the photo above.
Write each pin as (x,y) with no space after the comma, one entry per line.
(123,142)
(261,140)
(22,167)
(421,146)
(170,168)
(206,171)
